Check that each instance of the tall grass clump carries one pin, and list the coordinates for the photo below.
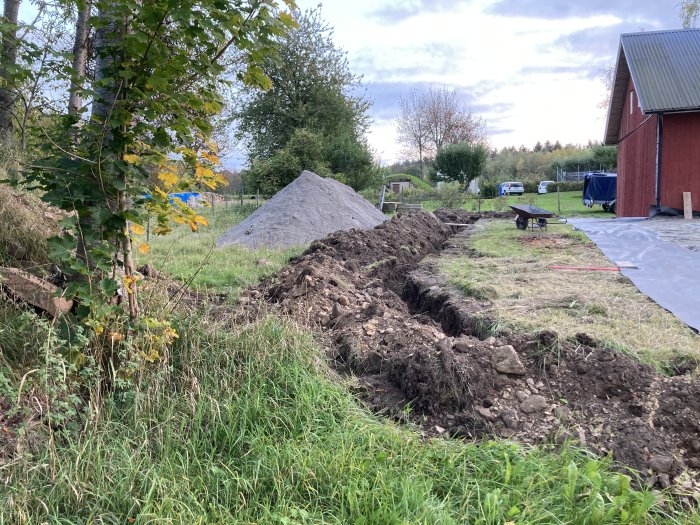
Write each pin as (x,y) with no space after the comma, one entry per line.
(248,427)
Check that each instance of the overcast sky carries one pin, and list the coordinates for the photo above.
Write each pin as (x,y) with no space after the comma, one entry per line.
(531,68)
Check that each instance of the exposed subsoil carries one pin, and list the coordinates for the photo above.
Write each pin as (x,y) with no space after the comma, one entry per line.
(411,340)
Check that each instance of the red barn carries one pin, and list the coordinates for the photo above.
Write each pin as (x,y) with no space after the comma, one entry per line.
(654,118)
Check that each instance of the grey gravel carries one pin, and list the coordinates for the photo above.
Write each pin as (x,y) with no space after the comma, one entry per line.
(307,209)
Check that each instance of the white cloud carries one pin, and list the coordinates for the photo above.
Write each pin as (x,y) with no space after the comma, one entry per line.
(541,85)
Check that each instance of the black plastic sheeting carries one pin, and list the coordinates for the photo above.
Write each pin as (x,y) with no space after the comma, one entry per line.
(666,272)
(599,188)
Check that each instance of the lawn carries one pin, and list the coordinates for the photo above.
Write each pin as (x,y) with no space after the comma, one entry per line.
(193,258)
(568,204)
(509,269)
(247,424)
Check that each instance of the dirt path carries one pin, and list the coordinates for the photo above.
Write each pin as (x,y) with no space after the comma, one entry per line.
(413,344)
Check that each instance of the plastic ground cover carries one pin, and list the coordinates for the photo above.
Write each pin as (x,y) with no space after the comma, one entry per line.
(667,273)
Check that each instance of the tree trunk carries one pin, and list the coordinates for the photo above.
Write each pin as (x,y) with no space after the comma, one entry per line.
(82,32)
(8,56)
(105,93)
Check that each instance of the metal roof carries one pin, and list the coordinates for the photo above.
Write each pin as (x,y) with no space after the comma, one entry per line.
(665,70)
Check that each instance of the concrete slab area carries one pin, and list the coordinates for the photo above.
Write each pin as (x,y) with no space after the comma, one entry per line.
(666,252)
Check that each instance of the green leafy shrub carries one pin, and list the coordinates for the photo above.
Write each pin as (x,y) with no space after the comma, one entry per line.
(489,190)
(530,186)
(565,186)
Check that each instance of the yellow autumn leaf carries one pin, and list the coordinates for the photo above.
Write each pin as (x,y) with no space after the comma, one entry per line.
(178,220)
(211,157)
(137,229)
(203,173)
(144,248)
(212,107)
(168,178)
(213,146)
(193,226)
(127,282)
(201,220)
(132,159)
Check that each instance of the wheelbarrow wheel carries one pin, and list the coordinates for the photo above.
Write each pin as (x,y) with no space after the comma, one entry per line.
(521,223)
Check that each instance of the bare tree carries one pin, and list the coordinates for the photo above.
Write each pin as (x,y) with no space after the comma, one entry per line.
(449,122)
(8,57)
(689,11)
(80,52)
(430,120)
(412,126)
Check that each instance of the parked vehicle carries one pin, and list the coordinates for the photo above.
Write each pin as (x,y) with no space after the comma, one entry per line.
(600,188)
(542,188)
(512,188)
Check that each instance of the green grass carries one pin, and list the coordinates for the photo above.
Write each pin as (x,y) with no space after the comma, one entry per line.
(510,270)
(247,425)
(569,203)
(248,428)
(193,258)
(416,181)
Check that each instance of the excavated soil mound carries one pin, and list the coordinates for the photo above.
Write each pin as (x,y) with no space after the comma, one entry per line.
(411,340)
(307,209)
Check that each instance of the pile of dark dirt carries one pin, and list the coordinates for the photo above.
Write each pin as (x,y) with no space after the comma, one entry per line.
(412,341)
(307,209)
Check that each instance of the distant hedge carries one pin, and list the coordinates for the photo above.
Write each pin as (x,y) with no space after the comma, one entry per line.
(489,190)
(565,186)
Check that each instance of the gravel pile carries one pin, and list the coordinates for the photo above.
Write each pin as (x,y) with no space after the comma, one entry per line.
(307,209)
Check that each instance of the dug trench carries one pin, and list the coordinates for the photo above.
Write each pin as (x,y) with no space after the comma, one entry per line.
(418,351)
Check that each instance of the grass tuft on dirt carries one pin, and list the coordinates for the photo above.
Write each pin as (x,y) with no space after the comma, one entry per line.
(529,296)
(248,427)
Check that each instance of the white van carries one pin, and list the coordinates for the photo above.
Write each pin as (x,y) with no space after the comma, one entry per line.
(542,188)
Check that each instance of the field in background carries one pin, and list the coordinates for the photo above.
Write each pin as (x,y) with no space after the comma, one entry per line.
(569,203)
(509,269)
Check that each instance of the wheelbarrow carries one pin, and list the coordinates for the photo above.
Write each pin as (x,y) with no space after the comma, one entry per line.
(535,217)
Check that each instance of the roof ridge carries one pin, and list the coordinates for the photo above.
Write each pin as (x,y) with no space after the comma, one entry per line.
(679,30)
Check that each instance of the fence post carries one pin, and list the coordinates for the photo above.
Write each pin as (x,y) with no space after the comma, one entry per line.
(558,201)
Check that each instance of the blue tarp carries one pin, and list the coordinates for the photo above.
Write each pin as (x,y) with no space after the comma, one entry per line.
(184,196)
(599,188)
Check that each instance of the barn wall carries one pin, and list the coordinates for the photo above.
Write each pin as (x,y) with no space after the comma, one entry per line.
(636,161)
(680,159)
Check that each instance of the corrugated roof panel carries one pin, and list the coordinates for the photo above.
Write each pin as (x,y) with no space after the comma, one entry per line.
(665,68)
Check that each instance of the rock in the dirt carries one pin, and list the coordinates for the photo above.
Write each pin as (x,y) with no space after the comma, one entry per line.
(462,345)
(485,413)
(444,344)
(510,418)
(522,395)
(343,301)
(661,464)
(35,291)
(148,270)
(533,404)
(490,341)
(337,311)
(506,361)
(562,413)
(507,432)
(439,429)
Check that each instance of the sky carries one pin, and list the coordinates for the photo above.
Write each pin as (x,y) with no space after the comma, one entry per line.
(531,68)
